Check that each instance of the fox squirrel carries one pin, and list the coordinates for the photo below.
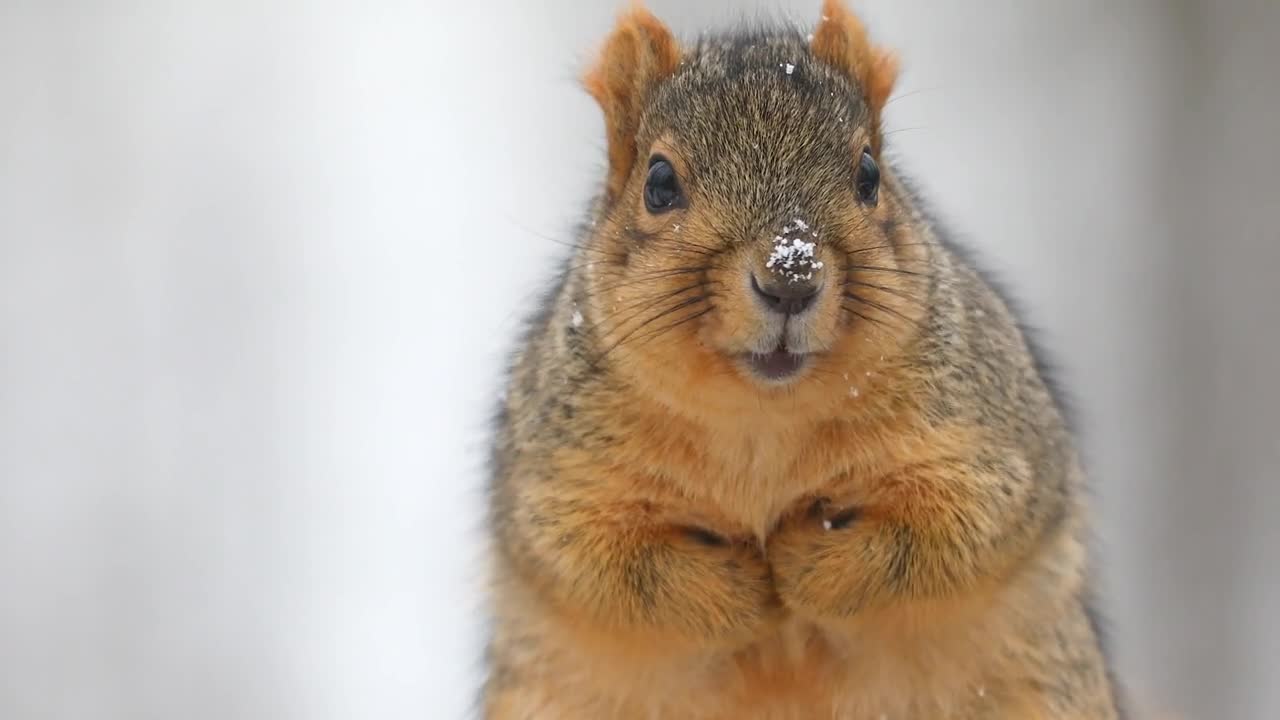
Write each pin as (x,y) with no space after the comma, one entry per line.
(772,447)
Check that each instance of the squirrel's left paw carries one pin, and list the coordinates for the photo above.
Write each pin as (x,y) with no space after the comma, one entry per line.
(821,556)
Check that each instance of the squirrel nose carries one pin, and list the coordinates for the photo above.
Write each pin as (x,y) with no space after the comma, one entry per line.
(789,298)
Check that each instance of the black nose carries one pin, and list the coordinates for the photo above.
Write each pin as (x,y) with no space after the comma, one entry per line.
(786,297)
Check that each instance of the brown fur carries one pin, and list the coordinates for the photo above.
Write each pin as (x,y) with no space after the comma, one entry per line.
(894,534)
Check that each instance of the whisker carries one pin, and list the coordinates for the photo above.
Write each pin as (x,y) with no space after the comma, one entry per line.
(874,268)
(659,332)
(676,308)
(857,314)
(597,256)
(892,291)
(642,306)
(905,129)
(683,245)
(890,246)
(878,306)
(913,92)
(649,277)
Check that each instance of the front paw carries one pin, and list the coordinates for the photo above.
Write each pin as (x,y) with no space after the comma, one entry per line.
(714,586)
(821,556)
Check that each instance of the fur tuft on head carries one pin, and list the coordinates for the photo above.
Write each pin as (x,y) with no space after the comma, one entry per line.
(841,41)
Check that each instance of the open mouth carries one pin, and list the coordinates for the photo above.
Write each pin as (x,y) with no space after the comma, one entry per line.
(777,365)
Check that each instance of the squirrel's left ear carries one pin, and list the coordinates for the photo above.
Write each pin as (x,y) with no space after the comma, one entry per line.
(639,53)
(841,41)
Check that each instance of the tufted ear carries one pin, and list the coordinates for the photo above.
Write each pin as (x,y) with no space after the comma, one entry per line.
(841,41)
(639,53)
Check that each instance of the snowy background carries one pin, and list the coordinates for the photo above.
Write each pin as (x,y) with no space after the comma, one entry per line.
(260,262)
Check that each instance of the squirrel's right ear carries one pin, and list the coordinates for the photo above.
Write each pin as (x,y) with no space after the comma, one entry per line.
(639,53)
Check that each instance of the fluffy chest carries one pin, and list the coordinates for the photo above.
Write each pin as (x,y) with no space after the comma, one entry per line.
(752,479)
(742,479)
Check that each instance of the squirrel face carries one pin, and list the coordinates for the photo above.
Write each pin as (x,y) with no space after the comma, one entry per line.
(747,240)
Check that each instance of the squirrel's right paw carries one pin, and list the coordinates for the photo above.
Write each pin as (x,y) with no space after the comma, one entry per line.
(702,584)
(637,571)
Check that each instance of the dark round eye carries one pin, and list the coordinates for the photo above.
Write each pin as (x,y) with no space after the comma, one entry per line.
(661,189)
(868,182)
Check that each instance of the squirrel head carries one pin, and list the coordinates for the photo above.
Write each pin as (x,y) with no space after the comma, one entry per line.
(749,236)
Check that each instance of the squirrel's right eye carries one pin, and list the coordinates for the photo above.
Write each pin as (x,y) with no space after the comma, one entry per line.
(661,189)
(868,178)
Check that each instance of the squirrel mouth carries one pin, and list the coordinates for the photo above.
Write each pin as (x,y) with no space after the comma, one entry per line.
(780,364)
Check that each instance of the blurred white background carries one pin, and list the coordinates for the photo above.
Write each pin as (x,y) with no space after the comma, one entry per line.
(260,264)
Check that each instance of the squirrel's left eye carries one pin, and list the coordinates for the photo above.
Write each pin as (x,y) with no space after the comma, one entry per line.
(661,188)
(868,181)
